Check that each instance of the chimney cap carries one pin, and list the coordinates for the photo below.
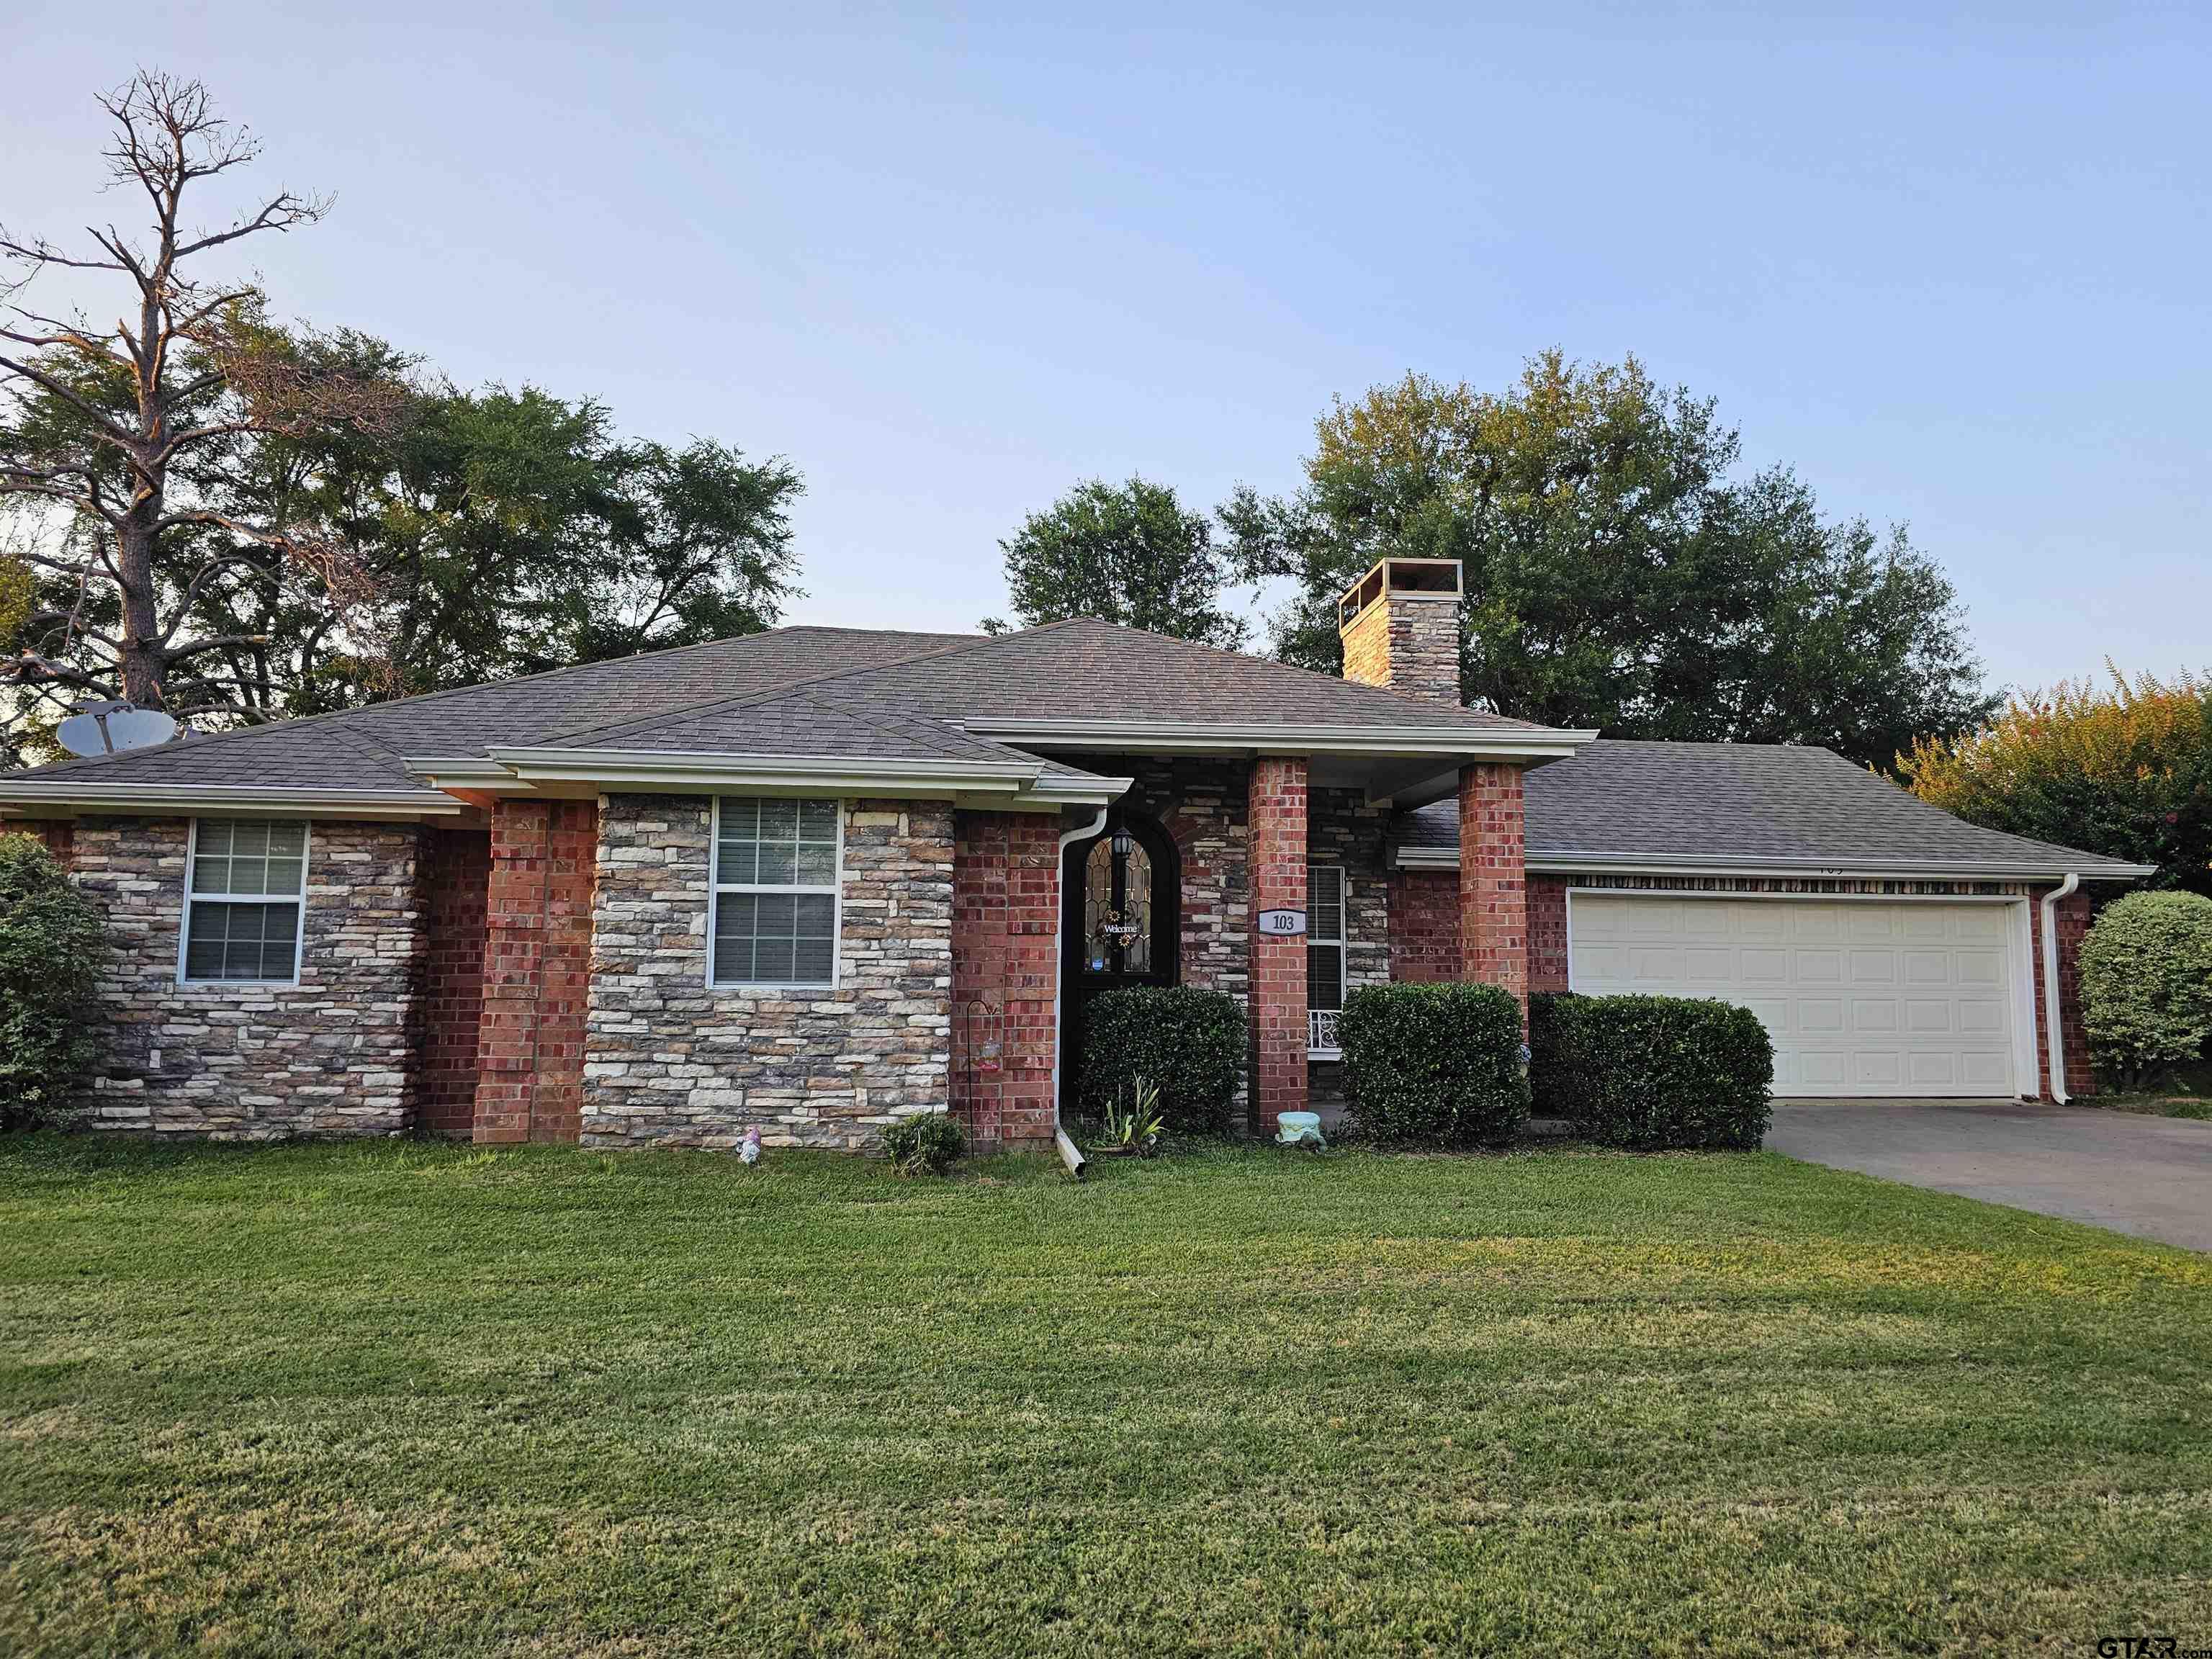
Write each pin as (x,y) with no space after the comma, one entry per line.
(1411,578)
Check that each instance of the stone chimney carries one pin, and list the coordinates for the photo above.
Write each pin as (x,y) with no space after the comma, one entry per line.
(1400,628)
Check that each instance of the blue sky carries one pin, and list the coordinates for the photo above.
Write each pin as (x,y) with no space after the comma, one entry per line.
(1951,266)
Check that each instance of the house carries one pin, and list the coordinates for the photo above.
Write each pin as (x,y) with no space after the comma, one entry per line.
(815,879)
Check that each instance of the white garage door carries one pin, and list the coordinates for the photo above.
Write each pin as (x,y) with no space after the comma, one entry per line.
(1863,997)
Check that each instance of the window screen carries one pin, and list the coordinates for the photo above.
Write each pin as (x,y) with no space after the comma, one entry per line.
(246,888)
(776,891)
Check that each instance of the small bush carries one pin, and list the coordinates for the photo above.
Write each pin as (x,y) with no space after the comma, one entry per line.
(2147,985)
(52,946)
(1433,1065)
(1652,1071)
(1190,1043)
(929,1144)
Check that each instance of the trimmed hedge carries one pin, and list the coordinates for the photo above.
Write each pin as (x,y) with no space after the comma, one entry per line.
(1434,1064)
(1649,1072)
(53,943)
(1190,1043)
(2147,985)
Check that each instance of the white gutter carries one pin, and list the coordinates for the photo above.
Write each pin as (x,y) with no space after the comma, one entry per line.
(1167,737)
(1016,782)
(2054,1025)
(1069,1154)
(153,799)
(1657,864)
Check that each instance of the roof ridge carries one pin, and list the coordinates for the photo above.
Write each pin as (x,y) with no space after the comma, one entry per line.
(1198,647)
(293,722)
(804,684)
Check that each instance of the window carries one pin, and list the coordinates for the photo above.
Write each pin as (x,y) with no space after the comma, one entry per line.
(1324,954)
(246,884)
(774,920)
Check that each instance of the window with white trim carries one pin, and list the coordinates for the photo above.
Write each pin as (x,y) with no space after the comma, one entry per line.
(774,918)
(245,885)
(1324,936)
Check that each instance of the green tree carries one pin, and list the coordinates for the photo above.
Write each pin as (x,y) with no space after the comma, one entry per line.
(1618,574)
(1128,554)
(329,522)
(2124,770)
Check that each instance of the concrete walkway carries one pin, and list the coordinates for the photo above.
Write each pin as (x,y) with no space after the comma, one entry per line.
(2148,1176)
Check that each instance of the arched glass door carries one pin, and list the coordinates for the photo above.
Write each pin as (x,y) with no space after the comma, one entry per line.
(1120,906)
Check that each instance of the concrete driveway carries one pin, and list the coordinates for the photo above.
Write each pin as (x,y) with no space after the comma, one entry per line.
(2148,1176)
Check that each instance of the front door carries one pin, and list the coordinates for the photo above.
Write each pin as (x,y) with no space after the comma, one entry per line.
(1120,907)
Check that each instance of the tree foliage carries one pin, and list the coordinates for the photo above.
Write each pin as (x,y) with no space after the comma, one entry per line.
(1618,575)
(106,431)
(335,524)
(1128,554)
(53,943)
(2124,770)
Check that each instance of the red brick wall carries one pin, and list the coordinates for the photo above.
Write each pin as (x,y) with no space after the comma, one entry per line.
(2075,913)
(537,971)
(1424,926)
(456,874)
(1006,945)
(1492,881)
(59,835)
(1277,817)
(1547,933)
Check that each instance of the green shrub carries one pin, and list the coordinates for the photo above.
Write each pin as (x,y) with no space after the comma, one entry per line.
(52,946)
(1652,1071)
(928,1143)
(1434,1064)
(2147,985)
(1190,1043)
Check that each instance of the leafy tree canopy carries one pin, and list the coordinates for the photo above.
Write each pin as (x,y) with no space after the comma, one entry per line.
(2124,770)
(477,534)
(1128,554)
(1618,575)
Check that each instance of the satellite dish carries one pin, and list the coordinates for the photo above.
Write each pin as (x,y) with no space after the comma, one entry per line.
(109,728)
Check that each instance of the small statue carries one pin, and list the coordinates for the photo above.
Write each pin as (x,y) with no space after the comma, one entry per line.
(748,1151)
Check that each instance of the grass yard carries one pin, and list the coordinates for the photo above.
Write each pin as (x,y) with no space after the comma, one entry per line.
(382,1398)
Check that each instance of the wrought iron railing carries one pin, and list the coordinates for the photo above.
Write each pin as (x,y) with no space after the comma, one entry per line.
(1320,1033)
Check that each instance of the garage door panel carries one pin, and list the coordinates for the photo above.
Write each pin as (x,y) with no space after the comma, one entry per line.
(1861,997)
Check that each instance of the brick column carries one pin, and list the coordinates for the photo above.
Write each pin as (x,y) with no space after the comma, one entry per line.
(1277,807)
(1005,940)
(537,969)
(455,876)
(1493,917)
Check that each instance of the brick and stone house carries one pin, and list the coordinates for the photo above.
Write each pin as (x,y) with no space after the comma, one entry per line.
(815,879)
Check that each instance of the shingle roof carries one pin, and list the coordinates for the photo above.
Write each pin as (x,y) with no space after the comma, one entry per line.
(1749,804)
(791,692)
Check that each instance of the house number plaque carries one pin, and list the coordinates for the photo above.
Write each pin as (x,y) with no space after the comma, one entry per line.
(1282,924)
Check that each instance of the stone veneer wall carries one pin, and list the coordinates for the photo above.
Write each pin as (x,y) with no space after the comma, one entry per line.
(669,1061)
(1547,932)
(1006,949)
(1342,830)
(332,1055)
(1407,643)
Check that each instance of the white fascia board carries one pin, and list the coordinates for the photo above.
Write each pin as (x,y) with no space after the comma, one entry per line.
(1176,737)
(1645,864)
(634,769)
(257,800)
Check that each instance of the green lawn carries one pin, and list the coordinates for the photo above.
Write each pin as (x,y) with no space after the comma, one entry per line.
(396,1397)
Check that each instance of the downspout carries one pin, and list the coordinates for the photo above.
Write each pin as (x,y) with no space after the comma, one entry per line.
(1069,1153)
(2053,1025)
